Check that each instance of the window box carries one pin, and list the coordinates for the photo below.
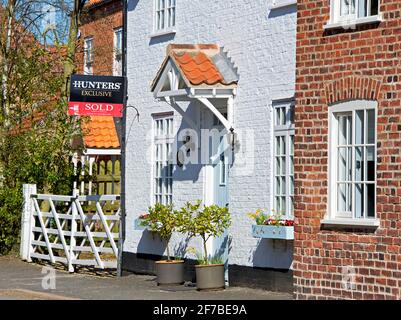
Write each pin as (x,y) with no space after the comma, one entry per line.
(273,232)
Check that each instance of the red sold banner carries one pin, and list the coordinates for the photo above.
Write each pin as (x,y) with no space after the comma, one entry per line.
(96,96)
(94,109)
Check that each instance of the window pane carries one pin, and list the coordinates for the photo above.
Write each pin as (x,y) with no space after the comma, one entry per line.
(282,116)
(342,198)
(278,185)
(292,189)
(292,114)
(359,164)
(282,186)
(278,165)
(292,145)
(371,126)
(342,130)
(349,197)
(283,168)
(342,164)
(374,7)
(363,8)
(173,17)
(347,7)
(359,127)
(371,164)
(370,198)
(359,200)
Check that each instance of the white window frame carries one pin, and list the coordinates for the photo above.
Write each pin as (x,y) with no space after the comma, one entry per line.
(170,6)
(165,140)
(117,65)
(88,61)
(351,20)
(348,218)
(287,131)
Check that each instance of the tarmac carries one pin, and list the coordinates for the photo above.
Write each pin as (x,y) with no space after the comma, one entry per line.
(20,280)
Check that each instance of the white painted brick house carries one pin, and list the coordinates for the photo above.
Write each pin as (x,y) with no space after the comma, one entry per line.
(254,44)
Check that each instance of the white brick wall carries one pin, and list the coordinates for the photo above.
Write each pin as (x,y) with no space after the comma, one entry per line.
(262,45)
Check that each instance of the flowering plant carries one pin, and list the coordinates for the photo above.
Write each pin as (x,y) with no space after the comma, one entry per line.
(144,216)
(274,219)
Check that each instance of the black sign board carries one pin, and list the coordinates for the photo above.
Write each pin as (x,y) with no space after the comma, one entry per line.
(96,95)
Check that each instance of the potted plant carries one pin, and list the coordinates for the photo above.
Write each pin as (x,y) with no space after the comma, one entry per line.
(272,226)
(206,222)
(164,220)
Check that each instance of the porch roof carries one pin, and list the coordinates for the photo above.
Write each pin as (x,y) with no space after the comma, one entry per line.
(200,66)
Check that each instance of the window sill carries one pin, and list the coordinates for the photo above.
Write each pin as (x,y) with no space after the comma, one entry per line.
(350,24)
(351,223)
(163,33)
(283,4)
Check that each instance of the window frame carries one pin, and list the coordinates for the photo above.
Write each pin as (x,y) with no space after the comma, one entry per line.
(163,139)
(287,131)
(336,20)
(332,216)
(115,51)
(88,67)
(156,31)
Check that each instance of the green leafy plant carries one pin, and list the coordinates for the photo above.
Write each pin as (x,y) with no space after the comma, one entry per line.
(205,222)
(274,219)
(258,216)
(200,258)
(163,220)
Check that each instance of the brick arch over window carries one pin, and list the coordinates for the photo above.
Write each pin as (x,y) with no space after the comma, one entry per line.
(354,87)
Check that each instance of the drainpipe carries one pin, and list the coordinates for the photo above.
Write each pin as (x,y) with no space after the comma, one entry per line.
(123,146)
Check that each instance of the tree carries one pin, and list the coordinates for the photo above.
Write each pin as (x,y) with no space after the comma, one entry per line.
(37,137)
(205,222)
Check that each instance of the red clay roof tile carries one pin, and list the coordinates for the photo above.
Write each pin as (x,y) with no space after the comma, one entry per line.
(198,68)
(100,133)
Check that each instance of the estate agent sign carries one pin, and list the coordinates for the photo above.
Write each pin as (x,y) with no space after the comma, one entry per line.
(96,96)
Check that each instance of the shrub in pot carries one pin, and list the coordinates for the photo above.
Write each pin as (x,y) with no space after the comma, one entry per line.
(164,220)
(206,222)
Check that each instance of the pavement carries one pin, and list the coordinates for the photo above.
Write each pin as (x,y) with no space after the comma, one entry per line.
(20,280)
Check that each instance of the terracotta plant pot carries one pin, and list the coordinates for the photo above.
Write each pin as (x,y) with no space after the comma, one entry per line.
(170,272)
(210,277)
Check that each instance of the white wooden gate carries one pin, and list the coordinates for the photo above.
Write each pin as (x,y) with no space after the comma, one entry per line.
(72,230)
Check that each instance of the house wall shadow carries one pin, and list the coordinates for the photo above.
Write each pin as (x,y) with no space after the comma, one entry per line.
(278,12)
(274,253)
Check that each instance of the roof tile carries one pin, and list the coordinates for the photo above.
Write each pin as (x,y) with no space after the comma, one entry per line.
(100,133)
(198,68)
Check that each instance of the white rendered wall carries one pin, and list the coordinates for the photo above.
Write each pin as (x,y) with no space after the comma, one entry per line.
(261,43)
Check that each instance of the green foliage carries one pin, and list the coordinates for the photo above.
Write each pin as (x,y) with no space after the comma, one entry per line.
(10,218)
(201,258)
(258,216)
(205,222)
(163,220)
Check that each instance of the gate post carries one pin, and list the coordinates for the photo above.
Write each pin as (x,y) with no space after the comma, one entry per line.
(27,221)
(74,213)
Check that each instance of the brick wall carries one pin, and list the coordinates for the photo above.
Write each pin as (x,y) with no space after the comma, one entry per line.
(332,66)
(99,23)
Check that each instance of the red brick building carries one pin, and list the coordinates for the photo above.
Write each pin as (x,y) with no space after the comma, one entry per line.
(100,53)
(348,150)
